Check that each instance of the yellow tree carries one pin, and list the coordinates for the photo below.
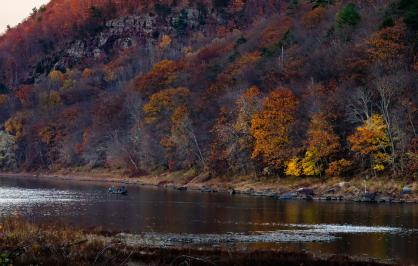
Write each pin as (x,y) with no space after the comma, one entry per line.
(371,140)
(15,125)
(271,128)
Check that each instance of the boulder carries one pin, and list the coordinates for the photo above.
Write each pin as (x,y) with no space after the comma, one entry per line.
(305,191)
(406,190)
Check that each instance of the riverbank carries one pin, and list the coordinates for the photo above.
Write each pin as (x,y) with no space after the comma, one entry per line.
(376,189)
(23,243)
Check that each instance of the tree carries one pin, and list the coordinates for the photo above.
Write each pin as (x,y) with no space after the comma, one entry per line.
(348,16)
(161,76)
(314,17)
(271,128)
(322,144)
(247,105)
(15,125)
(388,44)
(371,140)
(338,168)
(293,167)
(167,111)
(7,151)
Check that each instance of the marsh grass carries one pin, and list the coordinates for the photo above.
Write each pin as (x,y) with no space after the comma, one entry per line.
(24,243)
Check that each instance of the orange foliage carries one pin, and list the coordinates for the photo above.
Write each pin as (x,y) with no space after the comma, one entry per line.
(271,128)
(161,76)
(165,41)
(23,93)
(388,43)
(313,17)
(236,6)
(321,136)
(370,137)
(87,73)
(241,64)
(165,101)
(15,125)
(274,32)
(3,100)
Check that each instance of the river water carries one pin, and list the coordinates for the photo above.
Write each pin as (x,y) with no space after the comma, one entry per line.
(383,231)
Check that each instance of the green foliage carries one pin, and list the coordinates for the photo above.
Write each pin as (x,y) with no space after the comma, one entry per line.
(180,24)
(42,8)
(387,22)
(5,260)
(411,15)
(348,16)
(34,11)
(162,10)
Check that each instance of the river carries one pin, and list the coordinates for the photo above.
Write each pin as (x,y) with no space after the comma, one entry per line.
(383,231)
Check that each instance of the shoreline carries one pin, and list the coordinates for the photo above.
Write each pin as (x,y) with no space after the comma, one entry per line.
(25,243)
(330,190)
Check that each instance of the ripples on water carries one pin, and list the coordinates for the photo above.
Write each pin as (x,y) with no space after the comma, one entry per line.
(164,217)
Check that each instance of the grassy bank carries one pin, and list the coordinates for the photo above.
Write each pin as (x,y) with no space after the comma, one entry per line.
(23,243)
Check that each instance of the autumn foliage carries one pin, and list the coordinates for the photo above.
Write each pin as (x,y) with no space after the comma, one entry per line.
(271,128)
(223,88)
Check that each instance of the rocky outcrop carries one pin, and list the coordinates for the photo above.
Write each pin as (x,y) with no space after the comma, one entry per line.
(126,32)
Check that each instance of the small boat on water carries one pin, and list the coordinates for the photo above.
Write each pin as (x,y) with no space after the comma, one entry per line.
(122,190)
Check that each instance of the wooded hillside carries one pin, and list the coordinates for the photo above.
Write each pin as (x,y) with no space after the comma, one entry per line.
(226,87)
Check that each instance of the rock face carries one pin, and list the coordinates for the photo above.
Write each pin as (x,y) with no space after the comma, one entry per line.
(130,31)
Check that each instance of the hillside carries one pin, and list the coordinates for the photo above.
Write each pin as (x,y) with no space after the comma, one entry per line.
(224,87)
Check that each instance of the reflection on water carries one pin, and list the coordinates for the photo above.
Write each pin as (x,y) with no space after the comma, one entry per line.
(382,231)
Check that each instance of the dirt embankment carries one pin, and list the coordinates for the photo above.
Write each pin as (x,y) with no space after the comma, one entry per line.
(376,189)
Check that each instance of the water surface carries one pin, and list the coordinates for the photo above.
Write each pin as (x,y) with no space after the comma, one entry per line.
(384,231)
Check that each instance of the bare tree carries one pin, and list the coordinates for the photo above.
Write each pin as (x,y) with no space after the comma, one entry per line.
(360,105)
